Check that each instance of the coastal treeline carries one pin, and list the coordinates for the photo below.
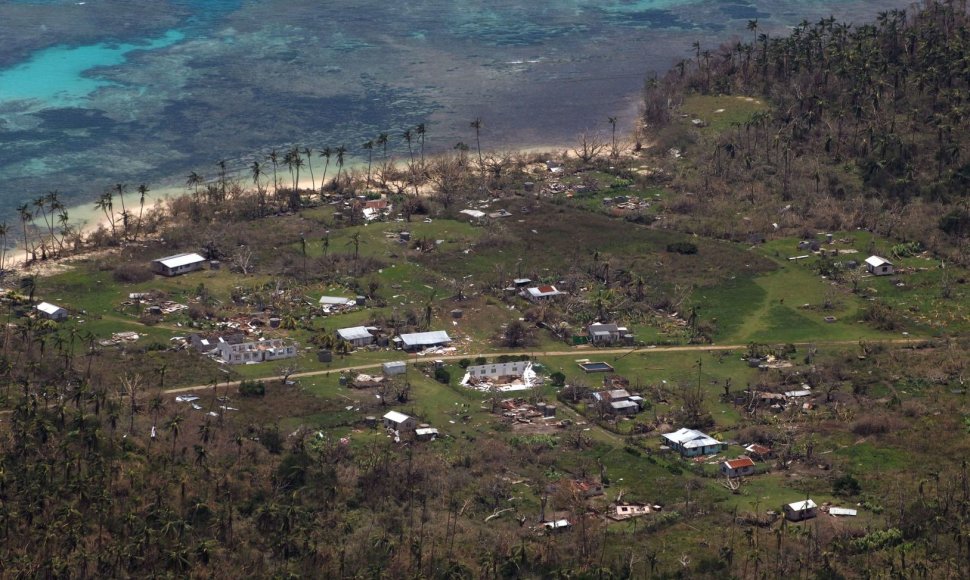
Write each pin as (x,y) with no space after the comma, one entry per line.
(865,126)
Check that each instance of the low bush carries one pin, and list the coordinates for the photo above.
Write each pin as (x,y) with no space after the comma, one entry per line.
(132,273)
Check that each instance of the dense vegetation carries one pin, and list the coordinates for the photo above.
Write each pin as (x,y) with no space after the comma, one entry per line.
(865,127)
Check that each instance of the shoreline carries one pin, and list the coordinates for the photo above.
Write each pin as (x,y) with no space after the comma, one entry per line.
(87,219)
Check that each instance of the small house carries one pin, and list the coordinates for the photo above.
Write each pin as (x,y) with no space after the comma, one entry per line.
(759,452)
(544,292)
(262,350)
(358,336)
(422,340)
(624,407)
(399,422)
(426,434)
(801,510)
(336,302)
(178,264)
(878,266)
(608,334)
(496,370)
(737,467)
(51,311)
(691,442)
(393,368)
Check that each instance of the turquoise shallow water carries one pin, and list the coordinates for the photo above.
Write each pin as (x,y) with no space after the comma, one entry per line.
(100,91)
(65,76)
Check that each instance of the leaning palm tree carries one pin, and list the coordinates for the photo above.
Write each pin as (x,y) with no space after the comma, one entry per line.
(309,165)
(120,188)
(3,244)
(41,204)
(274,158)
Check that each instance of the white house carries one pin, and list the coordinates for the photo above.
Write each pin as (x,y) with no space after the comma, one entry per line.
(258,351)
(421,340)
(178,264)
(878,266)
(607,333)
(394,368)
(737,467)
(399,421)
(544,292)
(356,335)
(801,510)
(691,442)
(626,407)
(426,433)
(336,302)
(51,311)
(494,370)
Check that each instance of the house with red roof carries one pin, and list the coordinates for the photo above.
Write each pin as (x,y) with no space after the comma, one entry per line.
(738,467)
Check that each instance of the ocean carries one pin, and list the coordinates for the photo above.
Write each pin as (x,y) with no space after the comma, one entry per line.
(98,92)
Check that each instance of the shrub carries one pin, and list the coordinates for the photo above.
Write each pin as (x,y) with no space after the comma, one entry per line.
(846,485)
(558,379)
(252,388)
(682,248)
(132,273)
(442,376)
(873,425)
(464,363)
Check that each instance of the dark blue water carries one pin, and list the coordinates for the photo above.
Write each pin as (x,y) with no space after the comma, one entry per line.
(104,91)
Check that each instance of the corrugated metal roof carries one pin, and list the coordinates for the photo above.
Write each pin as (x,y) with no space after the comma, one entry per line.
(739,463)
(425,338)
(623,404)
(48,308)
(354,333)
(335,300)
(396,417)
(802,505)
(837,511)
(180,260)
(876,261)
(690,438)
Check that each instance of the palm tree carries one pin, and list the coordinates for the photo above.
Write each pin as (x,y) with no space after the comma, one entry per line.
(24,212)
(194,181)
(274,158)
(369,147)
(340,161)
(41,203)
(309,164)
(408,136)
(477,126)
(421,130)
(382,141)
(55,204)
(174,426)
(3,244)
(612,121)
(325,153)
(120,188)
(142,190)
